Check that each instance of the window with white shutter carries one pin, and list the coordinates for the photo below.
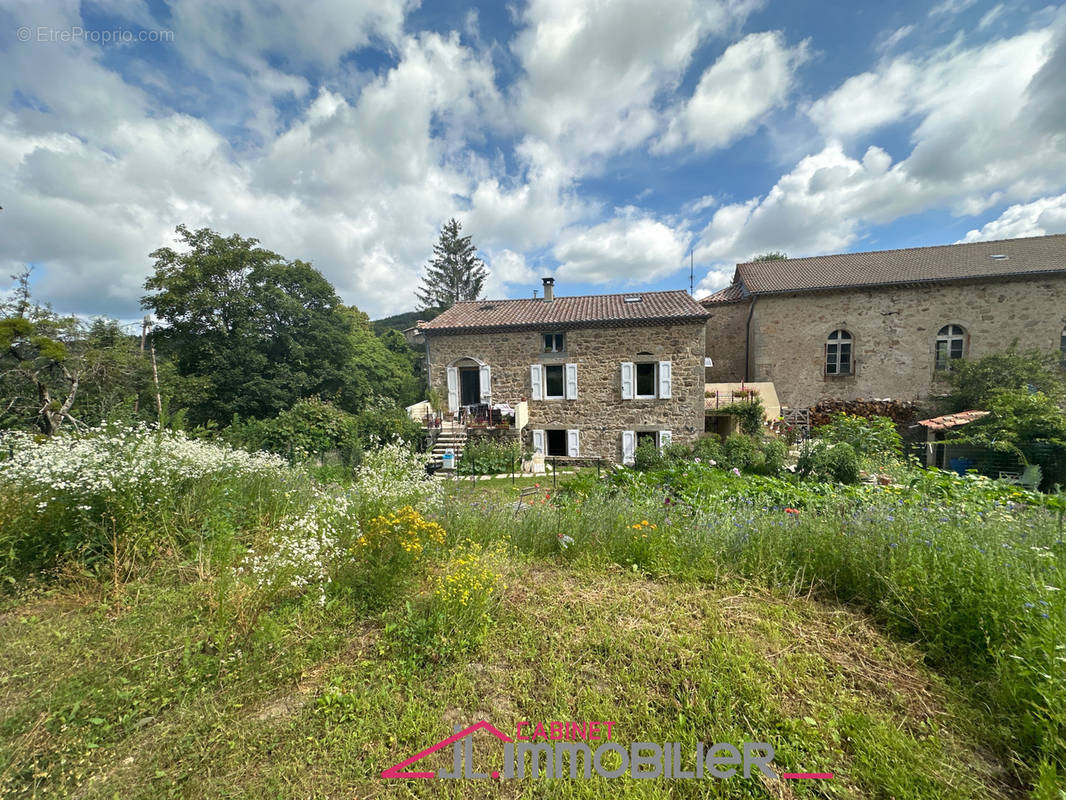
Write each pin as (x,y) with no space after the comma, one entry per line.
(629,447)
(665,380)
(628,379)
(573,443)
(571,381)
(453,388)
(536,382)
(485,376)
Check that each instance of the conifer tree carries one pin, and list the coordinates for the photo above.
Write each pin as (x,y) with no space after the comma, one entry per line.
(454,273)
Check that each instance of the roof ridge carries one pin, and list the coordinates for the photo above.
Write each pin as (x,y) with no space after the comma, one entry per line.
(905,249)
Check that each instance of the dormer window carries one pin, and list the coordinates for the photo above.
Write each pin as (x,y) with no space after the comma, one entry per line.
(554,342)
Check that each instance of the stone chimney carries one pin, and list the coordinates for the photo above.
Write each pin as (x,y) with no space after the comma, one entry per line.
(549,289)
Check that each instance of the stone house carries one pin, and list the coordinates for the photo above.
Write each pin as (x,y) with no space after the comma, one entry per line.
(884,324)
(597,373)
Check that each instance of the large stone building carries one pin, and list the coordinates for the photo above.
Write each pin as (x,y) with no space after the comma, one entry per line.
(597,373)
(884,324)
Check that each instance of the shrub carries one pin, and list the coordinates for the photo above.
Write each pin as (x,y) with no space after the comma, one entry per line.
(456,616)
(388,555)
(486,456)
(750,415)
(873,437)
(708,449)
(392,476)
(821,461)
(648,456)
(974,382)
(774,454)
(130,494)
(382,421)
(310,429)
(741,452)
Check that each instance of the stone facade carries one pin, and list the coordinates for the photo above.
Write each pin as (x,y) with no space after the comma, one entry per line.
(598,412)
(894,331)
(726,330)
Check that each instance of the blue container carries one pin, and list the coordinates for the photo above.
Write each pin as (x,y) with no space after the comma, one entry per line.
(448,459)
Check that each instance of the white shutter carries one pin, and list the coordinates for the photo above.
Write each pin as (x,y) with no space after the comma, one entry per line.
(538,442)
(629,446)
(571,381)
(536,382)
(573,443)
(628,376)
(485,374)
(453,388)
(664,438)
(665,380)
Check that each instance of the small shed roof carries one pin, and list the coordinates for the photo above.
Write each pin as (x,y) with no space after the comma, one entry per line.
(947,421)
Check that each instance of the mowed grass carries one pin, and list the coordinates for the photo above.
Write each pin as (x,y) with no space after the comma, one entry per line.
(126,695)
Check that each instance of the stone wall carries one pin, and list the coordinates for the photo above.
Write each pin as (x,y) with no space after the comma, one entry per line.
(726,330)
(894,332)
(598,412)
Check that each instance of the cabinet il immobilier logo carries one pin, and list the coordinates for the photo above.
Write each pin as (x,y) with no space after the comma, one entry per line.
(577,749)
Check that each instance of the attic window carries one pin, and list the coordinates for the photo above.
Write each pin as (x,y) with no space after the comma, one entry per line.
(487,307)
(635,299)
(999,257)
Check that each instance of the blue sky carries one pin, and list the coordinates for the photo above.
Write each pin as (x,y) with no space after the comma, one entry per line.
(603,142)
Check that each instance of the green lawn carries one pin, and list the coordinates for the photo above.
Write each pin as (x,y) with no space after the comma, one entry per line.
(127,696)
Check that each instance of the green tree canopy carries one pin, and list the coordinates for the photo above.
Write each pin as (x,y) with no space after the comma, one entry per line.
(252,331)
(773,255)
(1027,423)
(379,366)
(57,370)
(454,273)
(974,382)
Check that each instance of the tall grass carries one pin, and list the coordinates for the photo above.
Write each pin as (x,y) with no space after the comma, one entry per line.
(977,580)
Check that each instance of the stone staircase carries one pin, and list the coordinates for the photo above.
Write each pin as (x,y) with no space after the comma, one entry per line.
(454,437)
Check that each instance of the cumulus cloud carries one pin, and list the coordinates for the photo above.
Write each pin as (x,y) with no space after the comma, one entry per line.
(593,69)
(986,132)
(751,78)
(630,247)
(1038,218)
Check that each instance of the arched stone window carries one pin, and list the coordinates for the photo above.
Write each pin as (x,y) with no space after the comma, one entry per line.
(838,360)
(950,344)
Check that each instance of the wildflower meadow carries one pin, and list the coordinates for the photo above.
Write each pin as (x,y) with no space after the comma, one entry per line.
(149,577)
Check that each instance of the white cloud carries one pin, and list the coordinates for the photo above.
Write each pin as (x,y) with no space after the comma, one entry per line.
(1037,218)
(991,16)
(357,186)
(319,33)
(950,8)
(593,69)
(508,269)
(751,78)
(627,248)
(988,131)
(898,35)
(939,89)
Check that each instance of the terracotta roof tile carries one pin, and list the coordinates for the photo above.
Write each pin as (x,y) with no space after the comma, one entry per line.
(583,310)
(1029,256)
(952,420)
(733,293)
